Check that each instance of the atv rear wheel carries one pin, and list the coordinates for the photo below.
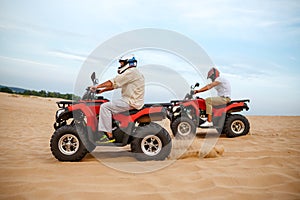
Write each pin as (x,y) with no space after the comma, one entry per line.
(183,128)
(236,125)
(66,144)
(151,142)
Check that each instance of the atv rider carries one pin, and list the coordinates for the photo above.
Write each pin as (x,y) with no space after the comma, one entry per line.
(223,88)
(132,83)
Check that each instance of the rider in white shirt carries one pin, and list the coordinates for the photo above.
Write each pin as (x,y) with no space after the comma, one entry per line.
(223,88)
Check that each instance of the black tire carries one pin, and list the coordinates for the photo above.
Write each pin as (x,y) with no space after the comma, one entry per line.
(90,147)
(236,125)
(183,128)
(151,142)
(83,133)
(66,144)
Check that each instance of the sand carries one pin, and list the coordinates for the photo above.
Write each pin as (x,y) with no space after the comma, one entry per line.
(264,164)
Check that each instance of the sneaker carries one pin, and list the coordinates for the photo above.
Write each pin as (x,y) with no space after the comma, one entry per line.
(207,124)
(104,140)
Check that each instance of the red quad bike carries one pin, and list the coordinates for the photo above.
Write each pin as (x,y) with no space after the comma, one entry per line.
(76,129)
(188,114)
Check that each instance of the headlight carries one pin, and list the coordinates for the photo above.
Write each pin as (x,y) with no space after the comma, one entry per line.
(58,112)
(176,109)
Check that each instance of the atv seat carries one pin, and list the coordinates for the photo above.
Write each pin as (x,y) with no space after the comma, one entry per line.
(134,111)
(231,102)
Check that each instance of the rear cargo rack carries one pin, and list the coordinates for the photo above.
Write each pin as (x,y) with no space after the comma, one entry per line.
(64,104)
(243,100)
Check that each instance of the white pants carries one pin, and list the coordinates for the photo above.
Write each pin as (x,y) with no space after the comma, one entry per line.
(107,110)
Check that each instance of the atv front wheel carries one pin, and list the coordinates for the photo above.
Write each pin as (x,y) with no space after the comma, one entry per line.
(66,145)
(183,128)
(151,142)
(83,132)
(236,125)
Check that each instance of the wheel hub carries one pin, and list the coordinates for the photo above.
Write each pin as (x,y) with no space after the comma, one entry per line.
(184,128)
(237,126)
(68,144)
(151,145)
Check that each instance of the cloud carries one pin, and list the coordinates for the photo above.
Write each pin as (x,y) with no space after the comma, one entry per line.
(255,70)
(247,20)
(31,62)
(20,25)
(67,55)
(242,71)
(253,41)
(33,74)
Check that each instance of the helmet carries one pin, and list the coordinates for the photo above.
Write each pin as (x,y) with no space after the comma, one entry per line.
(129,61)
(213,73)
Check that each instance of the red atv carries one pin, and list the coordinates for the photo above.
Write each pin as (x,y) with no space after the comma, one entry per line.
(76,129)
(188,114)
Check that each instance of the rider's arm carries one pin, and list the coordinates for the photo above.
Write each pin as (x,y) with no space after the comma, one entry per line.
(106,89)
(208,87)
(107,86)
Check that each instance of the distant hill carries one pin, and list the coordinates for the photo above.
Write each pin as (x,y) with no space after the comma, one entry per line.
(41,93)
(14,89)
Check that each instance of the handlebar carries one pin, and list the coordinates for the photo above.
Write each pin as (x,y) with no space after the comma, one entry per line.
(190,95)
(90,95)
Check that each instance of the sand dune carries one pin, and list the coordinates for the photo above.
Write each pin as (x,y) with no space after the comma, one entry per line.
(262,165)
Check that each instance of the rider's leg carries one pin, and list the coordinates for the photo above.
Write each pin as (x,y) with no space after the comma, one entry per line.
(213,101)
(210,102)
(105,114)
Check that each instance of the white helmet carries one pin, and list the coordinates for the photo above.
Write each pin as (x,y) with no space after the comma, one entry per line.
(129,61)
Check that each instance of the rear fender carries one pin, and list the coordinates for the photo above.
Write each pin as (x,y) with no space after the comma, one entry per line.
(233,107)
(155,113)
(238,108)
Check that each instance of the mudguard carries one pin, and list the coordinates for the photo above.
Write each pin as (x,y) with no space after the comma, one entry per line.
(124,118)
(89,114)
(233,106)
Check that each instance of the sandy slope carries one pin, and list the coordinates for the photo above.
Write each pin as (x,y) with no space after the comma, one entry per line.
(262,165)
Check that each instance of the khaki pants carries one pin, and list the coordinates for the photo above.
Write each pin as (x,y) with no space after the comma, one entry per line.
(215,101)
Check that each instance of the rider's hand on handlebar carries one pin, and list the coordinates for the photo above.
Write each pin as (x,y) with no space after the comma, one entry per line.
(93,88)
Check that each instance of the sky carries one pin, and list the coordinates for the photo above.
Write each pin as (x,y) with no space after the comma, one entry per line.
(255,44)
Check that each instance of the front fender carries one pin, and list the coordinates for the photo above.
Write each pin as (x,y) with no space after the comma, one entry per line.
(89,114)
(193,105)
(61,117)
